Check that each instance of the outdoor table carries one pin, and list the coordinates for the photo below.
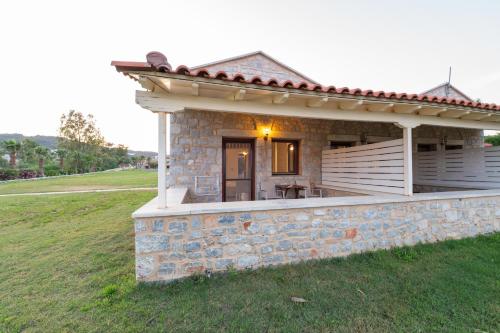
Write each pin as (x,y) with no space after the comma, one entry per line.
(285,188)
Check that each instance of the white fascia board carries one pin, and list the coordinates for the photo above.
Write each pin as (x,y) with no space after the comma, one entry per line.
(158,102)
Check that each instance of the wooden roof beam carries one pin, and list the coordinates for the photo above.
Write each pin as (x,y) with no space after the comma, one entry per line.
(195,89)
(146,83)
(431,111)
(317,102)
(407,108)
(454,113)
(494,117)
(380,107)
(281,98)
(164,84)
(477,116)
(351,105)
(238,95)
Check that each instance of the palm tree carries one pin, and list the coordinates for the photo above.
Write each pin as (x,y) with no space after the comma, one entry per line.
(42,154)
(12,147)
(62,153)
(27,152)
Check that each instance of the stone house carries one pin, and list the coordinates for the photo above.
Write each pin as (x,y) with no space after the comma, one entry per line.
(447,90)
(366,165)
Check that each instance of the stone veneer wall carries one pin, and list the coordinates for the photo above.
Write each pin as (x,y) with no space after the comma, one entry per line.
(174,247)
(196,144)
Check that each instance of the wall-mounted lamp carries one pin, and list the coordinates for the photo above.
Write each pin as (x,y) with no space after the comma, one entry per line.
(266,133)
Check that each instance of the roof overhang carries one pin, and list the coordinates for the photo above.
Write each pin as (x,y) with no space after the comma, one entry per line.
(172,92)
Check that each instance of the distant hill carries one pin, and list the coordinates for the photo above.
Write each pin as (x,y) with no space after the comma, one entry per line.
(43,140)
(51,142)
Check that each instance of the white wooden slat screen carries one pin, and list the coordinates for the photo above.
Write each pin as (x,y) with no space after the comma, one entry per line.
(374,167)
(475,168)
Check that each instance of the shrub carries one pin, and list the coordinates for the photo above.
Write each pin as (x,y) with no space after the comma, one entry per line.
(3,162)
(27,174)
(153,165)
(52,170)
(8,174)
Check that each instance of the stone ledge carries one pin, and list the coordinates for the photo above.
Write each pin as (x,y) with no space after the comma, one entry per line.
(176,209)
(173,247)
(176,196)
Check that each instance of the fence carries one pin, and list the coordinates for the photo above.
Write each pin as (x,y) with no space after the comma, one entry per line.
(477,168)
(373,167)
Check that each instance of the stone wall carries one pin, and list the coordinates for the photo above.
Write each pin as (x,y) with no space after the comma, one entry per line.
(471,138)
(196,144)
(173,247)
(257,65)
(444,91)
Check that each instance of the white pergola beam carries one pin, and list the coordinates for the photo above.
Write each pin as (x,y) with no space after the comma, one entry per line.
(174,103)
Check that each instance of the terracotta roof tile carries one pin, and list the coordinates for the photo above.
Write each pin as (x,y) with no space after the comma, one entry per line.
(158,62)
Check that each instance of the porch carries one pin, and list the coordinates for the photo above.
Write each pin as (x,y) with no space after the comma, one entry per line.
(227,156)
(369,201)
(372,148)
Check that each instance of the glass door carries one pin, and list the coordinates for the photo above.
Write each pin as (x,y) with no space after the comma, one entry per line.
(238,169)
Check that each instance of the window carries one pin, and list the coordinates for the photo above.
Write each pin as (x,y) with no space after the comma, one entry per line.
(341,144)
(285,157)
(422,147)
(453,147)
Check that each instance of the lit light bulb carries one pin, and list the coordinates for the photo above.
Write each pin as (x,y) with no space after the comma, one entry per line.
(266,133)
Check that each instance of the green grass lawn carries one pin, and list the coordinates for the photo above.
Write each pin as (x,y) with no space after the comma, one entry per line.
(97,181)
(67,265)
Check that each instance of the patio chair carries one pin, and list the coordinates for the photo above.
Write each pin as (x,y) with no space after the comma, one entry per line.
(312,192)
(265,195)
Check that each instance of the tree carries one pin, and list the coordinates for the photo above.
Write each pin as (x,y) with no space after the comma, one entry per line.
(61,154)
(27,151)
(493,139)
(80,136)
(42,154)
(12,147)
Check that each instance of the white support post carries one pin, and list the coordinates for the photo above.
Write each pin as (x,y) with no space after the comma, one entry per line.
(162,159)
(407,161)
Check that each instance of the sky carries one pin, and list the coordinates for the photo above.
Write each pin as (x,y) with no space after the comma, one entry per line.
(56,54)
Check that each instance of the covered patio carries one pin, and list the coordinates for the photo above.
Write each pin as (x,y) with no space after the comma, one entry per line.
(370,164)
(233,139)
